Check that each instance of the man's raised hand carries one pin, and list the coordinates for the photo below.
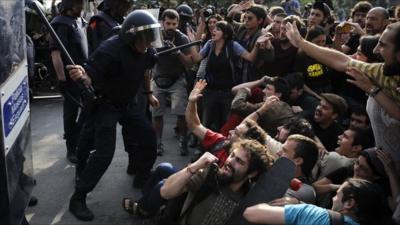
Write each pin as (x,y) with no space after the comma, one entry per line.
(198,88)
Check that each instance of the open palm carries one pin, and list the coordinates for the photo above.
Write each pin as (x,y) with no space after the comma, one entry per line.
(198,88)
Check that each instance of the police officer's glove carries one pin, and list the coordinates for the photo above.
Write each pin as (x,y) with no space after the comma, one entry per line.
(153,57)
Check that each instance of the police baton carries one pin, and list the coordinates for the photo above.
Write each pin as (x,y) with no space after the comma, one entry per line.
(33,5)
(177,48)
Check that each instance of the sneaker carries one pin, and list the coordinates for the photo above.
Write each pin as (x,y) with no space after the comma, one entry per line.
(160,149)
(78,208)
(183,148)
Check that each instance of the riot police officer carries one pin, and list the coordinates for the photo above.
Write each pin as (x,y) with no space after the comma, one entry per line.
(186,15)
(102,25)
(116,69)
(70,28)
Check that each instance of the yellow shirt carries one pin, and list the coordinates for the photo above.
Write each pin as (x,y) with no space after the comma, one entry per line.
(375,72)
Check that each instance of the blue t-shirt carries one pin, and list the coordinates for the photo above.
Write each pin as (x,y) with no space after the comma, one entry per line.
(306,214)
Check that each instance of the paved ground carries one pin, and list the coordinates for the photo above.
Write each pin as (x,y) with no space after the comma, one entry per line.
(55,175)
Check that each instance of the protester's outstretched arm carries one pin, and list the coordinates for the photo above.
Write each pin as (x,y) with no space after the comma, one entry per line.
(263,42)
(265,214)
(330,57)
(192,117)
(175,185)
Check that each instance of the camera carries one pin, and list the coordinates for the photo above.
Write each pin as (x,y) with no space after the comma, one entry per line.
(209,11)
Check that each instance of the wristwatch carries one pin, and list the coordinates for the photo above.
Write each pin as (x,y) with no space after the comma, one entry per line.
(373,91)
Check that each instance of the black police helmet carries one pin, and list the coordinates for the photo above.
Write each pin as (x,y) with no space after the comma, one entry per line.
(184,10)
(69,4)
(141,25)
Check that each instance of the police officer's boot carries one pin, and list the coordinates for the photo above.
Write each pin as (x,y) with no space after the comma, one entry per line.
(77,206)
(131,170)
(71,155)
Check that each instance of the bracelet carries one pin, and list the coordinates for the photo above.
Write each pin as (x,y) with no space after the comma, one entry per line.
(191,172)
(258,114)
(148,92)
(373,91)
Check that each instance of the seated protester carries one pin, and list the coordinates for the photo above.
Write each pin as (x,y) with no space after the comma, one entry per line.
(316,75)
(285,52)
(350,144)
(356,202)
(368,167)
(211,141)
(234,119)
(220,73)
(324,122)
(359,119)
(294,125)
(303,103)
(276,115)
(303,151)
(247,159)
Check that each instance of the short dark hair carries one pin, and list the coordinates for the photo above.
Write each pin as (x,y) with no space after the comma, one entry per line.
(362,6)
(297,125)
(361,137)
(170,13)
(281,86)
(295,80)
(371,203)
(307,149)
(275,10)
(69,4)
(259,11)
(360,109)
(293,18)
(314,32)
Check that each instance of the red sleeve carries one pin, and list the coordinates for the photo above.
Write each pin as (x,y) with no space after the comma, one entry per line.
(211,138)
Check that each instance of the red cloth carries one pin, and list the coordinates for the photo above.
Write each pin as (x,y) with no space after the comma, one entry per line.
(212,138)
(233,120)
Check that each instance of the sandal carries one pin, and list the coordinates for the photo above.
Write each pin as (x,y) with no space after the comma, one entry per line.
(130,206)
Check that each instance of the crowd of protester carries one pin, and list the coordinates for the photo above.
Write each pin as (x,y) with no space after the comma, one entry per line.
(278,81)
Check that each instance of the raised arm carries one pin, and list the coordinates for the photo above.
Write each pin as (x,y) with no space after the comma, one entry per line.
(192,117)
(176,184)
(250,84)
(329,57)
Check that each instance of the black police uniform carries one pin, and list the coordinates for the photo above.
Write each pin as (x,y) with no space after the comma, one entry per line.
(71,32)
(117,72)
(101,27)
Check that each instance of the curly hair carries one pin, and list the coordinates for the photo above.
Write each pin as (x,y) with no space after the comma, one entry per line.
(261,157)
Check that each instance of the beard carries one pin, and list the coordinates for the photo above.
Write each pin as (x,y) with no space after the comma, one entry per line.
(224,180)
(169,34)
(391,70)
(283,40)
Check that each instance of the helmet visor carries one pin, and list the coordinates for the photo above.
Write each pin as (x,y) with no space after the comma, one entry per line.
(150,35)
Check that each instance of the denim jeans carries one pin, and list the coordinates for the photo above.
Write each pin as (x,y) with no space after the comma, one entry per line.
(152,200)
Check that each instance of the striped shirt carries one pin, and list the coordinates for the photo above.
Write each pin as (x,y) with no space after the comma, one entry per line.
(375,72)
